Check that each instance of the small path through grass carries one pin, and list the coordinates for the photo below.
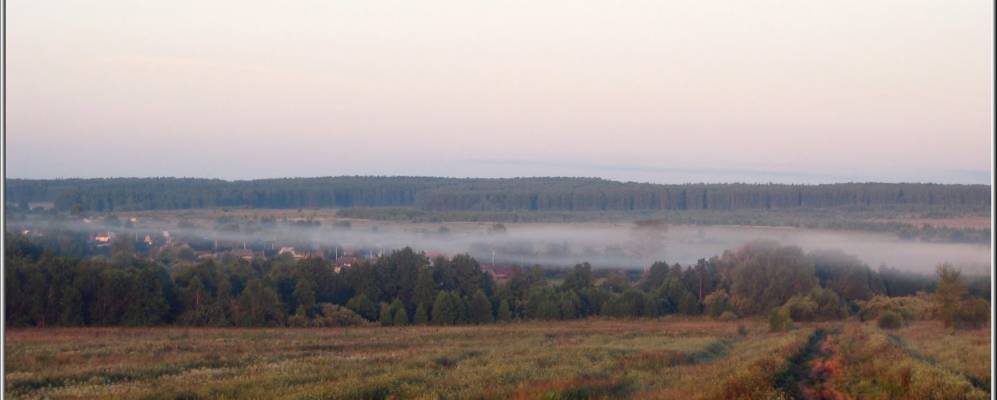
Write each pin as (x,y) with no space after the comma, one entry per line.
(809,373)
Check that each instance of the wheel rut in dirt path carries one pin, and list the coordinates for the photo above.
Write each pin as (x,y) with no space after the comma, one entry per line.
(809,373)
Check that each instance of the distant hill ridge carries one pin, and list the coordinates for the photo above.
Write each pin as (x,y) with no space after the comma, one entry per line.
(479,194)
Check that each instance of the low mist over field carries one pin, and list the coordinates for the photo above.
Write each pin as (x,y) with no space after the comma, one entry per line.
(611,245)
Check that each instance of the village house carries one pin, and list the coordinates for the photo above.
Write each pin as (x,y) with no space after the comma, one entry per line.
(103,238)
(433,255)
(290,250)
(245,254)
(498,272)
(344,262)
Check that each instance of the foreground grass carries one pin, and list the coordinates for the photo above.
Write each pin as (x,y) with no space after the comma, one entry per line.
(875,364)
(666,358)
(964,352)
(596,358)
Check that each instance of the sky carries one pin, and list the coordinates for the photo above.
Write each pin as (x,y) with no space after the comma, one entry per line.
(654,91)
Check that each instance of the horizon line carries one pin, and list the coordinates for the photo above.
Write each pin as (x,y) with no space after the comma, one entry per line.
(376,176)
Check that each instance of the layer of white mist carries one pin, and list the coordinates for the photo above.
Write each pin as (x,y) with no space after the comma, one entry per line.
(611,245)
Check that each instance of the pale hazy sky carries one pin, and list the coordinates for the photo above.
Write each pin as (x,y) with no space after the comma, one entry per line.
(661,91)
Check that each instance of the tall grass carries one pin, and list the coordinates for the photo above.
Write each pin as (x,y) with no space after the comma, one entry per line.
(659,359)
(876,367)
(581,359)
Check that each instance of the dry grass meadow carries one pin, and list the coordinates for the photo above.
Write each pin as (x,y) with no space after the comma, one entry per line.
(665,358)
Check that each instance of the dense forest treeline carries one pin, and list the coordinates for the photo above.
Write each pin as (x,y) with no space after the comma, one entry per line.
(406,287)
(447,194)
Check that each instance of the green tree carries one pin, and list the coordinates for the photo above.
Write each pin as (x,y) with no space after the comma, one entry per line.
(145,305)
(717,302)
(445,310)
(570,305)
(779,320)
(630,304)
(362,305)
(260,306)
(194,299)
(421,315)
(504,313)
(949,293)
(688,305)
(398,313)
(480,309)
(829,304)
(655,276)
(846,275)
(766,275)
(299,319)
(424,292)
(580,277)
(122,250)
(385,317)
(304,293)
(467,274)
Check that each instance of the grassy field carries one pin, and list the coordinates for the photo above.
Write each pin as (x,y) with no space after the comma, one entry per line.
(667,358)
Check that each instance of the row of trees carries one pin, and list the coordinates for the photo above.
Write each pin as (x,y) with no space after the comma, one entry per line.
(406,287)
(447,194)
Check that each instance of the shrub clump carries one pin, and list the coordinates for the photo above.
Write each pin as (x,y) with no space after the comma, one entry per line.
(780,321)
(910,308)
(333,315)
(972,314)
(728,316)
(742,330)
(818,305)
(890,320)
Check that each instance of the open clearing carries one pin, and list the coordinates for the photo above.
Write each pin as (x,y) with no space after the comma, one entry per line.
(665,358)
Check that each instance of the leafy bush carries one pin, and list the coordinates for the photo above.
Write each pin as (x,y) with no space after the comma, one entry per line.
(909,307)
(334,315)
(972,314)
(820,304)
(801,308)
(779,320)
(890,320)
(364,306)
(298,321)
(829,305)
(717,303)
(728,316)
